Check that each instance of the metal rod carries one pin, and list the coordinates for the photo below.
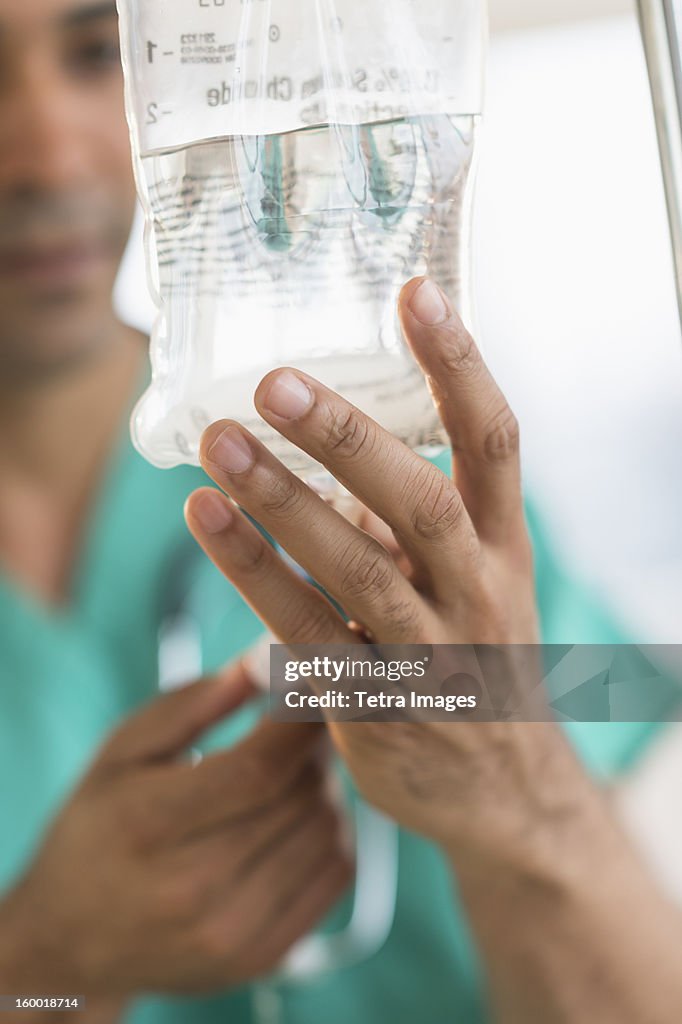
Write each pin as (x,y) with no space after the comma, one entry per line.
(660,21)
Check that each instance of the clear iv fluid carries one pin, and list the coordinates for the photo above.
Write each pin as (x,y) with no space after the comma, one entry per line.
(291,249)
(297,163)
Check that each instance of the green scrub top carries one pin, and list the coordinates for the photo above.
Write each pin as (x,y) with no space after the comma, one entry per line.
(67,677)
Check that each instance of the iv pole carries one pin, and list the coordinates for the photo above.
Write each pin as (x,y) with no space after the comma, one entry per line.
(660,21)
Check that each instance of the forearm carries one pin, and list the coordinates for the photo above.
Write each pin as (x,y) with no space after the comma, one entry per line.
(569,924)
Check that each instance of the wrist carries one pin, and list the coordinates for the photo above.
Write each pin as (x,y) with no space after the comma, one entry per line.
(559,877)
(531,808)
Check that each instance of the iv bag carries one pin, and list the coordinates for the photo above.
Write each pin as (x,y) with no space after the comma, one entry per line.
(297,163)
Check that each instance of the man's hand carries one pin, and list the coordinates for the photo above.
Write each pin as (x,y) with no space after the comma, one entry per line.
(529,836)
(161,875)
(458,569)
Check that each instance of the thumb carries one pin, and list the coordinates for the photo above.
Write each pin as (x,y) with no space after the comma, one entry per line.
(164,728)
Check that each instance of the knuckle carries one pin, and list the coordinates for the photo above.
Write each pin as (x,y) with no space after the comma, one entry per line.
(493,613)
(368,571)
(256,558)
(472,550)
(460,355)
(440,510)
(285,498)
(305,624)
(404,619)
(350,433)
(501,438)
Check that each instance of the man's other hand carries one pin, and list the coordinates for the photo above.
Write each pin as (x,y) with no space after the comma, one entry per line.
(164,875)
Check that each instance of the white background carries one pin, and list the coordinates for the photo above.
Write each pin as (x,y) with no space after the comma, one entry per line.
(508,15)
(577,307)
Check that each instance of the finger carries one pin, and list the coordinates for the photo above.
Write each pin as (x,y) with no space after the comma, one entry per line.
(168,725)
(420,504)
(328,880)
(228,844)
(291,608)
(352,567)
(375,527)
(482,429)
(313,852)
(287,870)
(236,785)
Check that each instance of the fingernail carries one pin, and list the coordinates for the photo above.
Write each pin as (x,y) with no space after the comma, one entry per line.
(212,511)
(428,304)
(231,451)
(288,397)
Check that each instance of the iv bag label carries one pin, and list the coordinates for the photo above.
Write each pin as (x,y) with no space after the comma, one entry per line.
(207,69)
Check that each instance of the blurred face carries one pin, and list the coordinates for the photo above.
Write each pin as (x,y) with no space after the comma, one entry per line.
(67,196)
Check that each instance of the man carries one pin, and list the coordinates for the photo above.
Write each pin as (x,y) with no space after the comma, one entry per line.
(155,877)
